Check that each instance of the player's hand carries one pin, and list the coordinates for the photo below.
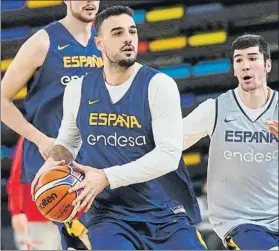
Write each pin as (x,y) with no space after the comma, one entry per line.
(94,182)
(50,163)
(19,223)
(45,145)
(273,126)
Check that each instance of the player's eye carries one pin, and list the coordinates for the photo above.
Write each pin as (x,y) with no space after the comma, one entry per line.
(118,33)
(133,31)
(253,59)
(238,60)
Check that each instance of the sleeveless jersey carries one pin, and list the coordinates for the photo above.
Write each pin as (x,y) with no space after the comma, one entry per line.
(243,167)
(116,134)
(66,59)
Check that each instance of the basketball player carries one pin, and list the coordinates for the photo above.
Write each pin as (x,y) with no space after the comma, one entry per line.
(243,154)
(47,62)
(128,118)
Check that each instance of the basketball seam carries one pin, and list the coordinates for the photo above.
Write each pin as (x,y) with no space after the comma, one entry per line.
(59,200)
(56,204)
(69,173)
(74,212)
(50,184)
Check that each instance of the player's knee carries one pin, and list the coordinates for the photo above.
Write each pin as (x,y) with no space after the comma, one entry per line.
(274,248)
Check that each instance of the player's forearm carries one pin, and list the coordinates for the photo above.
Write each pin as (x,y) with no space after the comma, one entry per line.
(152,165)
(191,139)
(14,119)
(59,152)
(194,129)
(199,123)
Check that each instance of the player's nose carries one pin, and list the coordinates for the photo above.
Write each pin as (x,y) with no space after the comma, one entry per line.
(246,65)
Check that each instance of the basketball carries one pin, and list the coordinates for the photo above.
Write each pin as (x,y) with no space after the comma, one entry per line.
(52,197)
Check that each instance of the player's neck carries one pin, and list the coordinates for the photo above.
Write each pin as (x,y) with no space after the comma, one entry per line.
(117,75)
(255,99)
(79,30)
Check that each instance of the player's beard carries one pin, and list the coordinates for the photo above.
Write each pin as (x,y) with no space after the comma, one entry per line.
(122,63)
(80,17)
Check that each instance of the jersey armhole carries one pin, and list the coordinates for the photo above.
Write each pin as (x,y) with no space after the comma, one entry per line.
(216,116)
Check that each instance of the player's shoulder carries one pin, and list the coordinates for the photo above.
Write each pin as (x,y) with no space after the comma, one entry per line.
(207,105)
(94,73)
(163,83)
(35,49)
(225,95)
(276,94)
(161,79)
(39,40)
(213,101)
(93,76)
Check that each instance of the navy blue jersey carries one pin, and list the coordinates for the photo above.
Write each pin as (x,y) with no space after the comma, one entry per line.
(116,134)
(66,59)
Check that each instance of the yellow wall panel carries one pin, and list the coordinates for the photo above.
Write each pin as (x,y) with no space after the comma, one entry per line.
(192,159)
(168,44)
(22,93)
(165,14)
(211,38)
(5,64)
(40,4)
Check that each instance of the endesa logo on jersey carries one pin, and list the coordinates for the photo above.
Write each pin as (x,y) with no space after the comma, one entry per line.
(251,156)
(115,139)
(67,79)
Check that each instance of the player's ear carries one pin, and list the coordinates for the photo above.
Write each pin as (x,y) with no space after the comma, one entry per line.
(98,43)
(268,65)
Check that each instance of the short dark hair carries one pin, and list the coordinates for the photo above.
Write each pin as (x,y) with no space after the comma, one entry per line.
(251,40)
(108,12)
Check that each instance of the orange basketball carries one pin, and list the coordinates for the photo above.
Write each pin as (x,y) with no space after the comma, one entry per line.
(52,196)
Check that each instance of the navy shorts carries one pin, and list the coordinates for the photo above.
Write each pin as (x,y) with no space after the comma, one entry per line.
(123,235)
(251,237)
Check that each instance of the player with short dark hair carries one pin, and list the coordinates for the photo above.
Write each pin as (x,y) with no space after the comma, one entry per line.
(126,117)
(243,153)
